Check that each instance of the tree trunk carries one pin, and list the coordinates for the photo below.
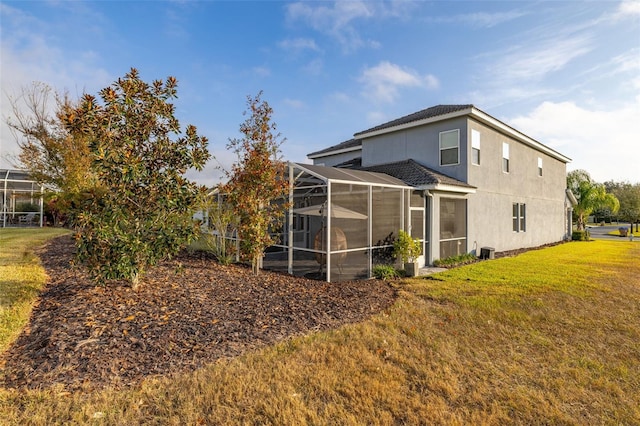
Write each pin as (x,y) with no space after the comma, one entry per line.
(135,281)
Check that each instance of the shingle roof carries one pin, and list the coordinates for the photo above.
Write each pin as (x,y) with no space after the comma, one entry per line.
(352,175)
(354,163)
(415,174)
(420,115)
(351,143)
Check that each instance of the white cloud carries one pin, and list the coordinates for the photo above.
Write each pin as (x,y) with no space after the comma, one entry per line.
(339,97)
(376,117)
(628,8)
(479,19)
(383,81)
(294,103)
(335,20)
(261,71)
(534,63)
(299,44)
(598,141)
(29,55)
(488,20)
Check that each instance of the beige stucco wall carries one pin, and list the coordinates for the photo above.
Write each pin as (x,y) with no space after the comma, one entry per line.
(490,208)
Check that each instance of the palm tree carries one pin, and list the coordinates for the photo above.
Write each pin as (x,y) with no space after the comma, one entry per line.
(590,195)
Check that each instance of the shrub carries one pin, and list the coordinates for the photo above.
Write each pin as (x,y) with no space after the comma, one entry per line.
(407,248)
(27,207)
(580,235)
(385,272)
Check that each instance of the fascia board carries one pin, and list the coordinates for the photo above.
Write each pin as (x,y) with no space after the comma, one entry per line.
(338,151)
(521,137)
(448,188)
(386,185)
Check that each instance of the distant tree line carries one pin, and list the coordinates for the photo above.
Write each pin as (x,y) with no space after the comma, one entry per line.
(606,202)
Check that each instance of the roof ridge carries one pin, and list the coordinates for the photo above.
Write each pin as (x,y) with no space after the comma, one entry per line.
(430,112)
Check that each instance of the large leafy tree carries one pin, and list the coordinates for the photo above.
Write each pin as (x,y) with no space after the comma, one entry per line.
(257,188)
(590,196)
(141,210)
(629,196)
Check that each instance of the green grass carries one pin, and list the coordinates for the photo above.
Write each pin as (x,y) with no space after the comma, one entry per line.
(616,233)
(21,277)
(547,337)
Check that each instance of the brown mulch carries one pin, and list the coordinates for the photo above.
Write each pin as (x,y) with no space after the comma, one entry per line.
(190,311)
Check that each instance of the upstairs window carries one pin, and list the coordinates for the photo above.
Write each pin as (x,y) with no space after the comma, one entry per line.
(505,157)
(450,147)
(519,217)
(539,166)
(475,147)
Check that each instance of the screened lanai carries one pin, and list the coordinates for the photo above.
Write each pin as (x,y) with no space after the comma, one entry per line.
(341,222)
(20,199)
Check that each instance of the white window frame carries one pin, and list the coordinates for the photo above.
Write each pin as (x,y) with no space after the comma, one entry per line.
(519,221)
(506,166)
(457,147)
(475,145)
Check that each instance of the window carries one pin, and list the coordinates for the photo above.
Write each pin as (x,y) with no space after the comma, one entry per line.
(475,147)
(519,217)
(539,166)
(449,147)
(505,157)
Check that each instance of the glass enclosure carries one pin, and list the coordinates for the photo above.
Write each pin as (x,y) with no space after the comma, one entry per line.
(341,223)
(453,227)
(20,199)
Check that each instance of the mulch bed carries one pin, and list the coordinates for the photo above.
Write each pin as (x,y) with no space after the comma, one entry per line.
(190,311)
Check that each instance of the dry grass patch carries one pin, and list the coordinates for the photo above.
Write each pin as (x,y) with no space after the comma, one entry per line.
(547,337)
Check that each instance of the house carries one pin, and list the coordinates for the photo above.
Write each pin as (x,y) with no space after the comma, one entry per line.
(474,181)
(21,202)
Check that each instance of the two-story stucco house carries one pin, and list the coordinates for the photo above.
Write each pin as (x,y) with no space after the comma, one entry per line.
(478,182)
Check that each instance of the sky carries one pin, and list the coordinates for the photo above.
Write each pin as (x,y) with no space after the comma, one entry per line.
(566,73)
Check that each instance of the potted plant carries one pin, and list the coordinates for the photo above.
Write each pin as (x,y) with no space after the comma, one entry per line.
(408,249)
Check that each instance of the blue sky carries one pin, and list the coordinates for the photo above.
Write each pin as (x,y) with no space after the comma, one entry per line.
(566,73)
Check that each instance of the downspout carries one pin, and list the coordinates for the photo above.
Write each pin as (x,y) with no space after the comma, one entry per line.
(290,224)
(328,231)
(429,219)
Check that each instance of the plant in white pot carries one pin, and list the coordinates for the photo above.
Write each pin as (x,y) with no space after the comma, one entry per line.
(408,249)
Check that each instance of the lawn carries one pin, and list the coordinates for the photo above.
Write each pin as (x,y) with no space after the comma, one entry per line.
(21,277)
(547,337)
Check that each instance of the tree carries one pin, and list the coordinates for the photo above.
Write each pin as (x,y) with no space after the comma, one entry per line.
(49,151)
(629,196)
(590,196)
(257,188)
(52,153)
(141,211)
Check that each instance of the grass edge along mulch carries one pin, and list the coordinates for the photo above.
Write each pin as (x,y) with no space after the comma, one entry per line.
(21,277)
(548,336)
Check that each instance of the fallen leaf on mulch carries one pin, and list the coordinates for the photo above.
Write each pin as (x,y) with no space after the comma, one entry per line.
(189,312)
